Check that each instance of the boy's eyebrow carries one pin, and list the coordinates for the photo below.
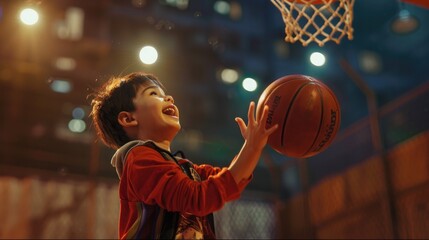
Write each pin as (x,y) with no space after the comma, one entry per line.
(147,88)
(150,87)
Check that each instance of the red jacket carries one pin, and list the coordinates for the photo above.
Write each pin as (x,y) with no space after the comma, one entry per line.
(150,183)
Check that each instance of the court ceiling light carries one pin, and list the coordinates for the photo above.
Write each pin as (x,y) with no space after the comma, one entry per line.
(404,22)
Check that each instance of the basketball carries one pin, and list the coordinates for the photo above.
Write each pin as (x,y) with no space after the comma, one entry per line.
(306,111)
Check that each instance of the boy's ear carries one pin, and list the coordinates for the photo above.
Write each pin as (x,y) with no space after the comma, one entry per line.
(126,119)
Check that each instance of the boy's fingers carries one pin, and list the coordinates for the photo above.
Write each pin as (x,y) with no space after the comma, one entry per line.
(272,129)
(251,113)
(264,118)
(264,115)
(241,125)
(240,121)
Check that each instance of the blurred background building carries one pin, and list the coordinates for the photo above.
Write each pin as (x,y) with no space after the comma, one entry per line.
(56,180)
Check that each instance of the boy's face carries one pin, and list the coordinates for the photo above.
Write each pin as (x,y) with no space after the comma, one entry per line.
(156,114)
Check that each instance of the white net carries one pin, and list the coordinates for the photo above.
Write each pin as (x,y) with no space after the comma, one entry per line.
(317,21)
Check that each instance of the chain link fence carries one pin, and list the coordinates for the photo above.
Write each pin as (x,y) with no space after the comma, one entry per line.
(246,218)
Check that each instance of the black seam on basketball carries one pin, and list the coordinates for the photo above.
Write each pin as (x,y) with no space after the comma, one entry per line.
(287,112)
(268,96)
(321,120)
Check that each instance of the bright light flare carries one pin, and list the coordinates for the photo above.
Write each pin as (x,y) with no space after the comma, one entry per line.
(250,84)
(148,55)
(29,16)
(229,75)
(317,59)
(77,125)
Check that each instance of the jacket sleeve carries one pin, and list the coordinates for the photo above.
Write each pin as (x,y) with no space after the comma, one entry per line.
(149,178)
(206,170)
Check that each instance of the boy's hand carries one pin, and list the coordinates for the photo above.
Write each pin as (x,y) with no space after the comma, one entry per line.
(255,133)
(255,138)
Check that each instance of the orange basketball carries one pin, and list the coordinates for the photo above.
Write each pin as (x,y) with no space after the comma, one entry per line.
(306,111)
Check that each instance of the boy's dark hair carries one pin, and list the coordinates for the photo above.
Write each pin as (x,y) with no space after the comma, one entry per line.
(114,96)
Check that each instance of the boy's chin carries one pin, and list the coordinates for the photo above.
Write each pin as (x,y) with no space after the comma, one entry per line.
(176,128)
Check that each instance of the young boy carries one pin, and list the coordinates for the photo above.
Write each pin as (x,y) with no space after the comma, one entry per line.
(162,195)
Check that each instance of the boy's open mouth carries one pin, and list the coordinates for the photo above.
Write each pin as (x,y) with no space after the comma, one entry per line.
(169,111)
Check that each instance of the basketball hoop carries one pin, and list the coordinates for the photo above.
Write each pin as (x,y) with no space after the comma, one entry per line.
(317,21)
